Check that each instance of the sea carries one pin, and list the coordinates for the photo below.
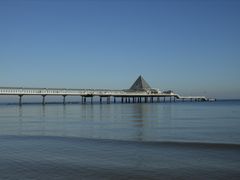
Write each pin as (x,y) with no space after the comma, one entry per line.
(177,140)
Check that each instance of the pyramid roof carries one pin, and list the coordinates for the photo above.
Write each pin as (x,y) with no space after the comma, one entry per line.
(140,85)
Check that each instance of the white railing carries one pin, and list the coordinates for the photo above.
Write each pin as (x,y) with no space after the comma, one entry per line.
(85,92)
(41,91)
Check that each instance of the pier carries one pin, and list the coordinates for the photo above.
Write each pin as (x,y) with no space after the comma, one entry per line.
(139,92)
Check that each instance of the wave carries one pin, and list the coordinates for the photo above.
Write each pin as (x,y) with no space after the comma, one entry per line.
(192,144)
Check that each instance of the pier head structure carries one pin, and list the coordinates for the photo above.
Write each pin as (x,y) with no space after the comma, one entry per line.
(139,92)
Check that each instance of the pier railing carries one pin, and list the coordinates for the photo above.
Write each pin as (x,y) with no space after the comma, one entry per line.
(95,92)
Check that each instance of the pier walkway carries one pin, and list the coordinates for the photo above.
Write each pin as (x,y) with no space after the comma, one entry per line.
(139,92)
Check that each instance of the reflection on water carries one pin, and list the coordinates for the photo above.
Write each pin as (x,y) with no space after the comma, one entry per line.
(118,121)
(139,122)
(44,145)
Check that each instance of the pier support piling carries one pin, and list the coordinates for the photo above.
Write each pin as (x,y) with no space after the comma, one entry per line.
(145,99)
(64,99)
(20,99)
(151,99)
(108,100)
(43,99)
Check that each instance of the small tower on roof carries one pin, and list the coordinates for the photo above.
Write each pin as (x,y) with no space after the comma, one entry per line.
(140,85)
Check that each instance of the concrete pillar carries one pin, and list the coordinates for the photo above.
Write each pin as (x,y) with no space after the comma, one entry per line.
(151,99)
(84,100)
(114,99)
(91,99)
(164,98)
(158,99)
(100,99)
(64,99)
(170,98)
(174,99)
(43,100)
(122,99)
(20,99)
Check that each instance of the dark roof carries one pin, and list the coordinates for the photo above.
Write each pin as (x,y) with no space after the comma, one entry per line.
(140,85)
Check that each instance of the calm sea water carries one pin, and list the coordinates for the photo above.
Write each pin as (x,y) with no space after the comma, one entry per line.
(190,140)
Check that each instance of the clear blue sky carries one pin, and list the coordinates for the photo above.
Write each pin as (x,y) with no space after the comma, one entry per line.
(189,46)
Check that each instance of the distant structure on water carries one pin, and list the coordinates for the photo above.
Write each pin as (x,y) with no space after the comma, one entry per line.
(140,85)
(139,92)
